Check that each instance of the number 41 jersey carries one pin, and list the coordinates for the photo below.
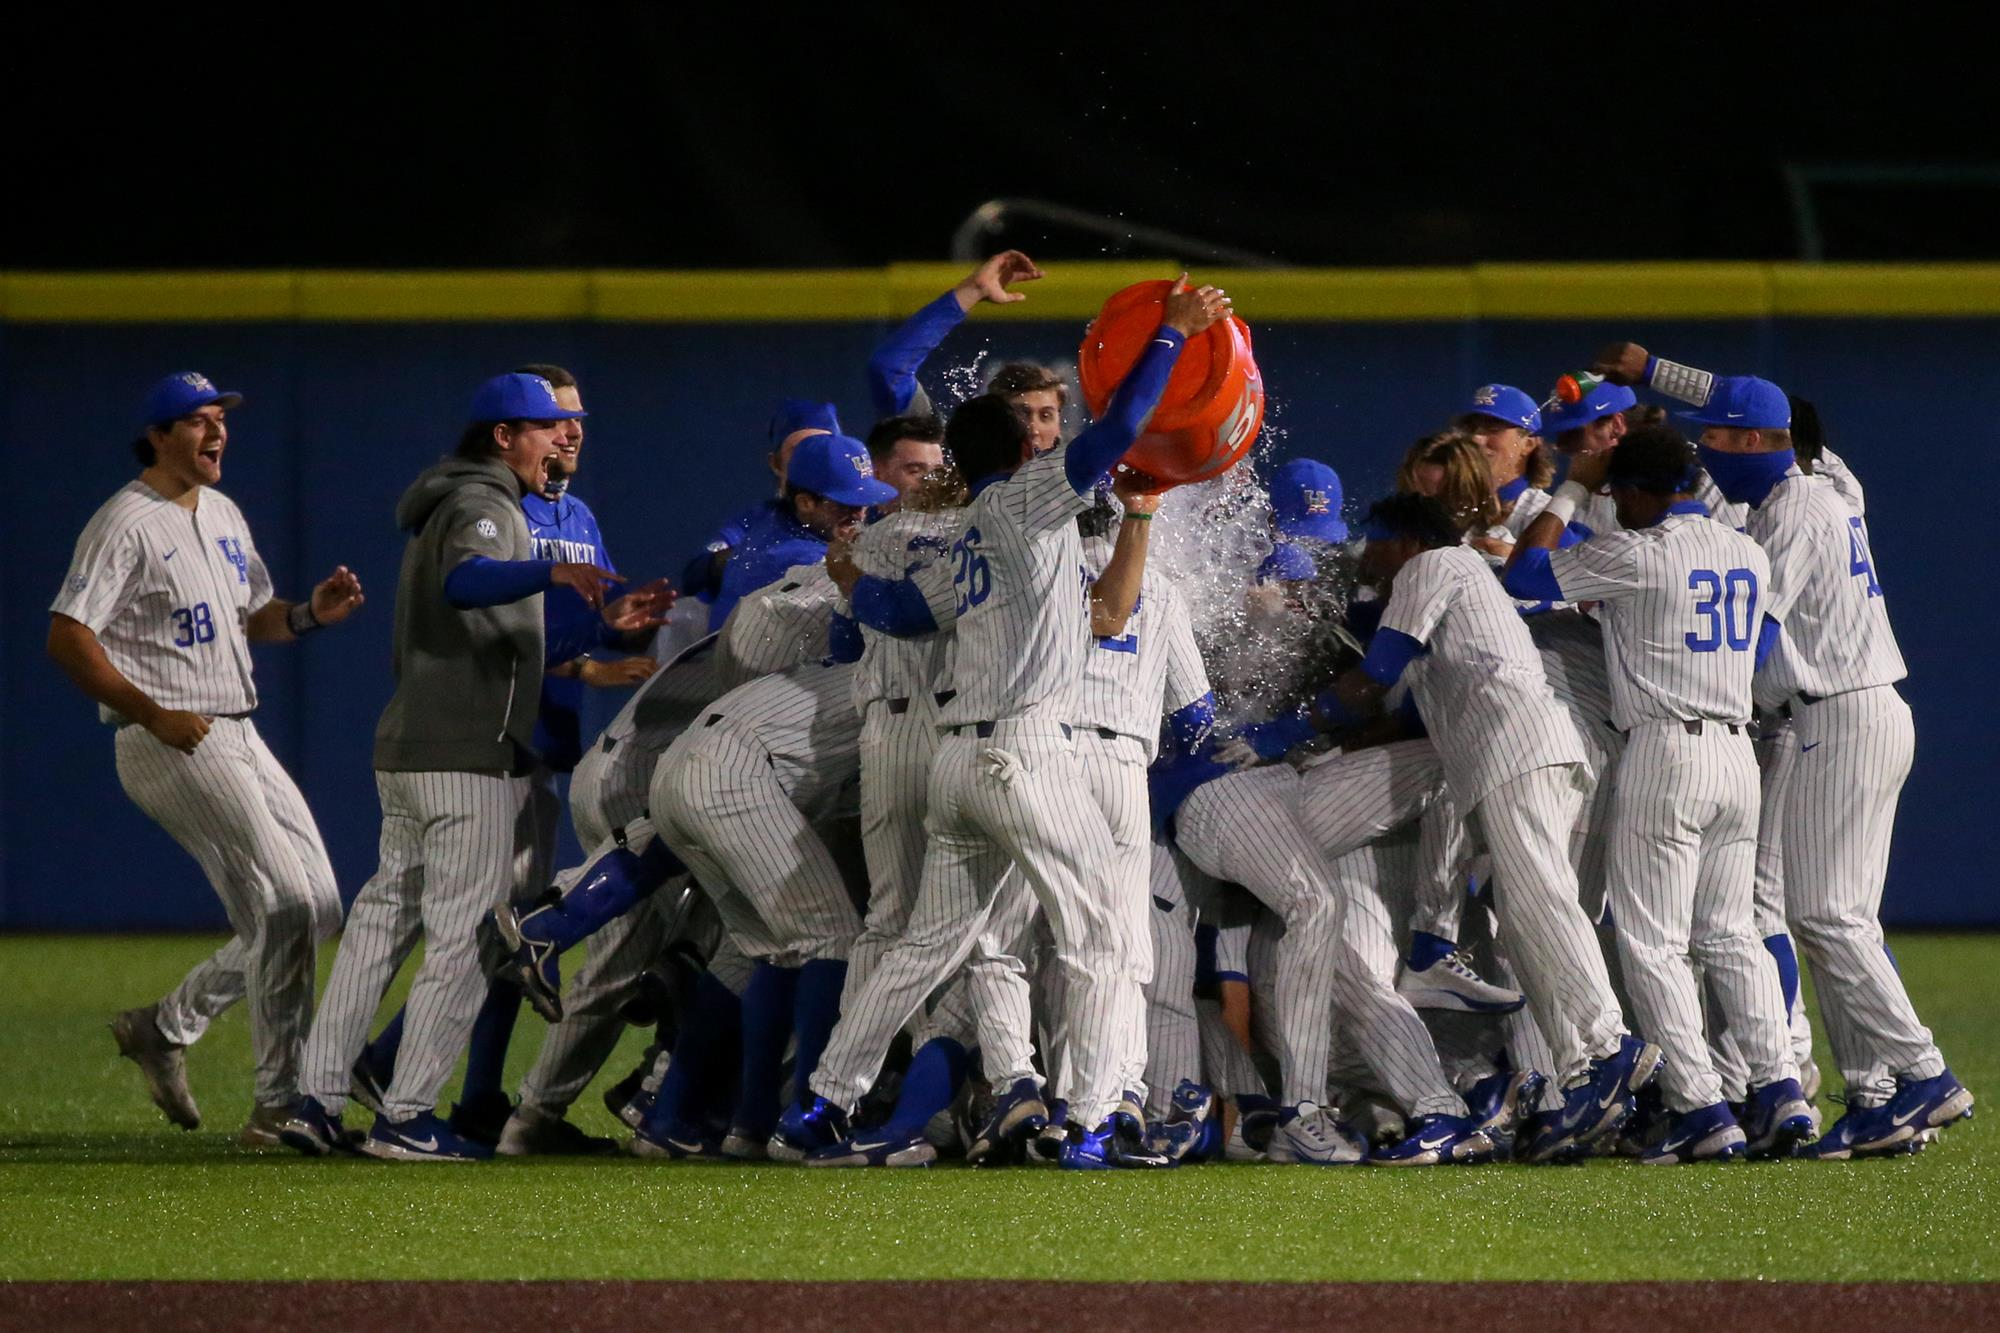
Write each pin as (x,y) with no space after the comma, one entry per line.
(166,591)
(1683,603)
(1022,609)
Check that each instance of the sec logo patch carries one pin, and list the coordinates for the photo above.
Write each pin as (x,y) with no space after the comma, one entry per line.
(487,528)
(79,583)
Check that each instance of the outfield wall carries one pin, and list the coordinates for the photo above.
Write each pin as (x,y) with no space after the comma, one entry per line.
(356,381)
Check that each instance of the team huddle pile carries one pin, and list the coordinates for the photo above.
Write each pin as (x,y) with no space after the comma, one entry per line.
(934,828)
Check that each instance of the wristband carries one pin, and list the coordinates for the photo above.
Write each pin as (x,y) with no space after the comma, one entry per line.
(300,620)
(1131,517)
(1563,504)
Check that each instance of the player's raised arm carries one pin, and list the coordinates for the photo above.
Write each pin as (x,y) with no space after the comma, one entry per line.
(893,365)
(1116,590)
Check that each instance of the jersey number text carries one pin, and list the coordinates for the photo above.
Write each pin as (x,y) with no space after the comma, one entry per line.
(1729,604)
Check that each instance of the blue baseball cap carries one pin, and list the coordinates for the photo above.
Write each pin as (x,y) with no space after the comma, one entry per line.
(1504,402)
(838,467)
(797,414)
(1287,564)
(518,397)
(1305,498)
(1744,402)
(1600,402)
(183,392)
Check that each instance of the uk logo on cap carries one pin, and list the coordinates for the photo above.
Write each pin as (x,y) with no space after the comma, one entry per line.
(197,381)
(1486,396)
(1316,502)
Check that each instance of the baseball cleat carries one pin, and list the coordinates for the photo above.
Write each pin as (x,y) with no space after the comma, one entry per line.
(368,1085)
(675,1143)
(1499,1102)
(1862,1131)
(316,1131)
(1608,1099)
(1778,1119)
(1437,1140)
(137,1032)
(1175,1141)
(1706,1134)
(878,1147)
(1929,1103)
(628,1099)
(1809,1079)
(1450,983)
(1049,1141)
(1256,1122)
(532,1133)
(1567,1133)
(1193,1106)
(484,1118)
(1309,1135)
(1018,1116)
(421,1138)
(264,1126)
(1117,1144)
(509,955)
(802,1131)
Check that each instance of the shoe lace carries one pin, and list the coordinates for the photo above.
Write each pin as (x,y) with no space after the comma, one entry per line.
(1459,964)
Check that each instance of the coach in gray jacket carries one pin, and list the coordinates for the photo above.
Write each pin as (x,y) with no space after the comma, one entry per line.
(452,759)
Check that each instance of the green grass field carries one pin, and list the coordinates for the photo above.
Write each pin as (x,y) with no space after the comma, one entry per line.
(94,1184)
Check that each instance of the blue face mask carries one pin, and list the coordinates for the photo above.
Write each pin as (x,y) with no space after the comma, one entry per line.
(1745,478)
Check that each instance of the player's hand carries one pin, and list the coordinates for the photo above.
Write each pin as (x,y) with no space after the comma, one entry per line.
(1139,492)
(840,566)
(183,731)
(616,675)
(990,281)
(1236,753)
(642,608)
(1191,311)
(589,581)
(1621,363)
(1492,546)
(1589,470)
(337,597)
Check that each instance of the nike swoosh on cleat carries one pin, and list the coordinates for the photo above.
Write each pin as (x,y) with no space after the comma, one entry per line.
(1901,1120)
(421,1145)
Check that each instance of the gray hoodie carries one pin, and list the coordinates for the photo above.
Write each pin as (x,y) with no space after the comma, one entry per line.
(468,683)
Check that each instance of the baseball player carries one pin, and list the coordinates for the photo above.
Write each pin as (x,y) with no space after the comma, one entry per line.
(453,754)
(1834,669)
(154,621)
(1507,426)
(1005,781)
(1514,763)
(1685,626)
(794,420)
(796,529)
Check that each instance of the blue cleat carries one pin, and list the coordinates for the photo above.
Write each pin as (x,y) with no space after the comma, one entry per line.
(368,1084)
(1437,1140)
(804,1129)
(316,1131)
(508,952)
(1861,1131)
(678,1143)
(1191,1131)
(1567,1133)
(1500,1102)
(1777,1120)
(421,1138)
(878,1147)
(1706,1134)
(1117,1144)
(1049,1140)
(1018,1116)
(1929,1103)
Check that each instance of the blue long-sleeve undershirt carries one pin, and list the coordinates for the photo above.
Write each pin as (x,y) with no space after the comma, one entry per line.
(481,581)
(1530,577)
(893,365)
(892,606)
(1767,640)
(843,639)
(1189,726)
(1390,653)
(1093,452)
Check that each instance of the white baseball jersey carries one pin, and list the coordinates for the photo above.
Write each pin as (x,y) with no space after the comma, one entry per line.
(805,717)
(1825,590)
(1023,616)
(1527,505)
(778,627)
(1683,603)
(167,590)
(902,546)
(1153,667)
(1480,687)
(1572,649)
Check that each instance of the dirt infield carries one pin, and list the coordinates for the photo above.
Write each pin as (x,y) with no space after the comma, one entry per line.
(535,1307)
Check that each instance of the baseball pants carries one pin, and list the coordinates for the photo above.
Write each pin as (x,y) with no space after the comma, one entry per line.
(895,795)
(240,815)
(450,844)
(1173,1033)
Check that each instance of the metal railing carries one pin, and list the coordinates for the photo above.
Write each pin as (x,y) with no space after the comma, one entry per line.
(992,219)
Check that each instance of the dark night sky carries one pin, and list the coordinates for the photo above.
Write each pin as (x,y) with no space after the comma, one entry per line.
(628,134)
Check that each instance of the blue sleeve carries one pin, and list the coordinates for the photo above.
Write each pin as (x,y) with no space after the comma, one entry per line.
(1275,739)
(1767,640)
(893,365)
(480,581)
(1389,655)
(1190,726)
(1174,778)
(843,639)
(1530,579)
(1092,453)
(893,606)
(1572,534)
(1363,617)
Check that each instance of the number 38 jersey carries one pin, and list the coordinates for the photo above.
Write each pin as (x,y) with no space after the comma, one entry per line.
(1018,594)
(1683,603)
(166,591)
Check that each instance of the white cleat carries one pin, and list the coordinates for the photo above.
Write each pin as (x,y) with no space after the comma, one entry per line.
(1450,983)
(1309,1135)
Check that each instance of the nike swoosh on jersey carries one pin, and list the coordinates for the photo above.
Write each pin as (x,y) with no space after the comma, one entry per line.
(1814,746)
(169,555)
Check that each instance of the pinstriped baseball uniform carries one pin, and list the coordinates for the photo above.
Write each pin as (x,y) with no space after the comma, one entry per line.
(777,627)
(1513,760)
(167,590)
(1006,787)
(1682,604)
(1835,668)
(893,691)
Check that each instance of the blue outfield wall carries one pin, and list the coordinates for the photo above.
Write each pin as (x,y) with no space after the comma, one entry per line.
(340,416)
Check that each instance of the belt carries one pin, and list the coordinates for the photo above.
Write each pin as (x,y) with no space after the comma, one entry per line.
(713,718)
(984,730)
(899,706)
(944,697)
(1104,733)
(1697,727)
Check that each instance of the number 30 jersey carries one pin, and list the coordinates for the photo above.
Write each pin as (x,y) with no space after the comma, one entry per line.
(166,590)
(1020,600)
(1684,601)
